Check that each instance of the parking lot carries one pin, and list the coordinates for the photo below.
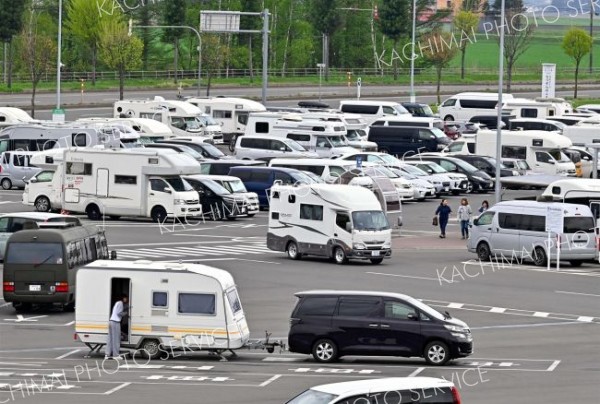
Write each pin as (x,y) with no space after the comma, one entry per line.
(535,331)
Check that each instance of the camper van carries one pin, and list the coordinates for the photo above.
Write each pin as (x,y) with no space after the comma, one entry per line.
(464,106)
(328,169)
(526,108)
(123,182)
(148,130)
(231,113)
(517,230)
(336,221)
(14,116)
(356,127)
(542,150)
(171,307)
(16,169)
(182,118)
(372,110)
(582,191)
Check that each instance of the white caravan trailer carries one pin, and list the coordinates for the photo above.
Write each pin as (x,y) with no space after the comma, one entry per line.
(464,106)
(14,116)
(335,221)
(37,137)
(183,118)
(129,182)
(171,307)
(541,149)
(231,113)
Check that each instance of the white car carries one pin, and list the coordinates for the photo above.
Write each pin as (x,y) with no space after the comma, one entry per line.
(388,390)
(422,188)
(458,182)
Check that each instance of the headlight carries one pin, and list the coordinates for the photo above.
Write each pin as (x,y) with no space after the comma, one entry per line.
(387,244)
(179,201)
(359,246)
(455,328)
(515,173)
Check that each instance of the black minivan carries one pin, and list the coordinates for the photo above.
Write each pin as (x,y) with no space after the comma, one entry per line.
(332,324)
(400,140)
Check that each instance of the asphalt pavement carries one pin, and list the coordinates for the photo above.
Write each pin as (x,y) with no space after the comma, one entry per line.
(535,331)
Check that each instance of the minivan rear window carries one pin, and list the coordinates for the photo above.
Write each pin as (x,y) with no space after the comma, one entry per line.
(360,109)
(359,307)
(317,306)
(578,223)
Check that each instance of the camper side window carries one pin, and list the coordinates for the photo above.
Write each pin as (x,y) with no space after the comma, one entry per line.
(234,301)
(77,168)
(196,303)
(311,212)
(160,299)
(221,114)
(516,152)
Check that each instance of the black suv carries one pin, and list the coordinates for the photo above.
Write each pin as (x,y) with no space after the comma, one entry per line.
(486,164)
(331,324)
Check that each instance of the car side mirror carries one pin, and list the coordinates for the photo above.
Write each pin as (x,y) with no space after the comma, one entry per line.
(412,316)
(167,190)
(348,227)
(282,149)
(551,162)
(33,180)
(476,221)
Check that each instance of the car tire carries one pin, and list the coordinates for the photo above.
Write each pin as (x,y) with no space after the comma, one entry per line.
(436,353)
(576,264)
(251,214)
(483,251)
(325,351)
(339,256)
(539,257)
(150,349)
(292,251)
(376,261)
(69,307)
(470,187)
(22,307)
(158,214)
(42,204)
(93,212)
(6,184)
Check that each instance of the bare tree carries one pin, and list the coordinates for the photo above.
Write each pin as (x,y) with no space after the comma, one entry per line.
(518,33)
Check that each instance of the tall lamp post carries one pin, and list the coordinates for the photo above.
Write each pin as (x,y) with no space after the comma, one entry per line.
(592,36)
(320,66)
(131,26)
(498,185)
(412,55)
(56,115)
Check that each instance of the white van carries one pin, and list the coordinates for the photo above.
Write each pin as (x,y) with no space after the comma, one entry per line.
(16,169)
(464,106)
(536,124)
(328,169)
(266,147)
(171,307)
(413,121)
(516,230)
(336,221)
(542,150)
(372,110)
(237,187)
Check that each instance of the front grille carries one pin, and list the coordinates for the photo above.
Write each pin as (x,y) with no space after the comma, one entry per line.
(192,202)
(445,184)
(374,242)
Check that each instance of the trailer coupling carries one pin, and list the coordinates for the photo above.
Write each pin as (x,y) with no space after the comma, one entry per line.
(266,344)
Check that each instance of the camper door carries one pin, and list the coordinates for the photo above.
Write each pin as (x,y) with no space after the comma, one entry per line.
(118,288)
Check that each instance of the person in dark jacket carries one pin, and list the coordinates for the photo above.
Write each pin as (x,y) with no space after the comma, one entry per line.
(443,212)
(485,205)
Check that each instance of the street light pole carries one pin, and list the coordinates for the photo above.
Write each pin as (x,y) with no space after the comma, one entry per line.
(499,122)
(320,66)
(412,56)
(131,26)
(58,58)
(592,36)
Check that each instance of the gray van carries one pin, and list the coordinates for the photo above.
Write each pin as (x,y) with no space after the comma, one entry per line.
(16,169)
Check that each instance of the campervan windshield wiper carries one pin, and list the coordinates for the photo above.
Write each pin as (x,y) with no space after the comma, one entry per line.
(44,261)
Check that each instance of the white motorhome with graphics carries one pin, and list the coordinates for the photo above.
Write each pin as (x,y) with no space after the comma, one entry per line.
(171,307)
(335,221)
(124,182)
(148,130)
(231,113)
(582,191)
(44,190)
(542,150)
(356,127)
(183,118)
(14,116)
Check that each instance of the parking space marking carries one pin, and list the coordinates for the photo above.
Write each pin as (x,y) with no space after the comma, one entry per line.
(416,372)
(189,378)
(553,366)
(509,311)
(276,359)
(500,266)
(572,293)
(63,356)
(197,250)
(117,388)
(269,381)
(20,318)
(404,276)
(335,371)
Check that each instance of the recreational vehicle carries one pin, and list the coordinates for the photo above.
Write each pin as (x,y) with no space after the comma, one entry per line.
(171,307)
(464,106)
(582,135)
(526,108)
(583,191)
(231,113)
(328,169)
(14,116)
(182,118)
(335,221)
(124,182)
(356,127)
(414,121)
(147,129)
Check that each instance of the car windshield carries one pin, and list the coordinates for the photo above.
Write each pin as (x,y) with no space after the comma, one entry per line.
(369,220)
(354,134)
(436,168)
(235,186)
(401,109)
(178,184)
(292,144)
(388,159)
(212,150)
(313,397)
(314,177)
(438,133)
(191,123)
(492,161)
(216,187)
(465,166)
(426,110)
(523,165)
(336,141)
(379,171)
(207,120)
(559,156)
(301,177)
(413,170)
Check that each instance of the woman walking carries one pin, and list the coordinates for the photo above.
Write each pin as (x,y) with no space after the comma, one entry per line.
(443,212)
(464,216)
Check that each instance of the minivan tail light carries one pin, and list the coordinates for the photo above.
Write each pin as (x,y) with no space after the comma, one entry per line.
(61,287)
(455,395)
(8,286)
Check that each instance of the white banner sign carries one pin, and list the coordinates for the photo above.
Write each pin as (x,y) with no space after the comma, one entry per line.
(554,219)
(548,80)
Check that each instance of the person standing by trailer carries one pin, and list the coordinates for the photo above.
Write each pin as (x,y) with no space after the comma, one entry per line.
(113,345)
(464,217)
(443,212)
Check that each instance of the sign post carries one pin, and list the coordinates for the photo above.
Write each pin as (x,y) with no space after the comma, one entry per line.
(554,224)
(58,115)
(358,84)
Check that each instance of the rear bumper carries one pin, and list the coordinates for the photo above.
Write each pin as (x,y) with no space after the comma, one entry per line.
(62,298)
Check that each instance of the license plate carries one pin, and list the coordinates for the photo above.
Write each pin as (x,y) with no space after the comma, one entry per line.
(375,254)
(35,288)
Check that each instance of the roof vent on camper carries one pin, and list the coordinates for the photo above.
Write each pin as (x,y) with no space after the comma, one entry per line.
(291,117)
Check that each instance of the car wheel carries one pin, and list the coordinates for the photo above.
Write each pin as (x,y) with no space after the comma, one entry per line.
(339,256)
(42,204)
(251,214)
(436,353)
(69,307)
(151,349)
(539,257)
(483,251)
(325,351)
(159,214)
(93,212)
(576,263)
(292,250)
(6,184)
(376,261)
(114,217)
(448,118)
(470,187)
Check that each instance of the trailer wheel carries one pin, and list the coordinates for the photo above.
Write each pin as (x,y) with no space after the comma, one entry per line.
(42,204)
(151,349)
(159,214)
(6,184)
(93,212)
(292,250)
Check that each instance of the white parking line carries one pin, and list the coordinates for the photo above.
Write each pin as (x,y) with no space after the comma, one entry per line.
(553,366)
(117,388)
(404,276)
(269,381)
(67,354)
(416,372)
(572,293)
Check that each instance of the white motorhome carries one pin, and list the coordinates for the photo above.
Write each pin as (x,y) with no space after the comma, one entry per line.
(336,221)
(542,150)
(14,116)
(561,105)
(594,108)
(356,127)
(230,112)
(181,117)
(414,121)
(124,182)
(526,108)
(582,135)
(583,191)
(322,137)
(464,106)
(148,130)
(44,190)
(171,307)
(37,137)
(371,110)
